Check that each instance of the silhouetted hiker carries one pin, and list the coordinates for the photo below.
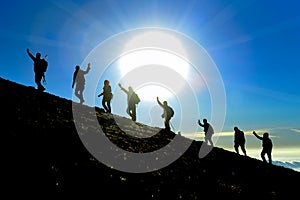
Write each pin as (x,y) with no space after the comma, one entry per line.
(208,131)
(79,81)
(267,146)
(39,67)
(239,140)
(107,96)
(167,114)
(132,101)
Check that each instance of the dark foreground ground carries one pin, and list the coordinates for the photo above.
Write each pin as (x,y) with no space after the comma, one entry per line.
(42,155)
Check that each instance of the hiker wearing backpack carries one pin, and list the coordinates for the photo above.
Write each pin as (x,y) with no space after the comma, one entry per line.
(39,68)
(167,114)
(208,131)
(79,81)
(132,100)
(267,146)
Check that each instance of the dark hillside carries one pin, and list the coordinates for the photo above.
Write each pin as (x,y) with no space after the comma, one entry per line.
(43,154)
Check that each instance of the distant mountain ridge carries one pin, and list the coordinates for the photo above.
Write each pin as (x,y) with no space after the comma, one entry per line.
(42,153)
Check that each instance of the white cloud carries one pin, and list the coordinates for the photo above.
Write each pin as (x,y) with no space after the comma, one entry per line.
(295,130)
(295,165)
(198,135)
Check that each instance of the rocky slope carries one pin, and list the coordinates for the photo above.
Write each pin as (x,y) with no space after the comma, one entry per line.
(43,154)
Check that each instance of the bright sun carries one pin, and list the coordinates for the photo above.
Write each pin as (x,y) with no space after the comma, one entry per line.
(158,66)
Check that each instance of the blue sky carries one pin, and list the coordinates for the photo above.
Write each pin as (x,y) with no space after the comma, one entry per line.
(255,45)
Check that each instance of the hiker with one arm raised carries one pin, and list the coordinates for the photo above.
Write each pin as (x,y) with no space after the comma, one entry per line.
(79,81)
(267,146)
(107,96)
(132,101)
(167,114)
(208,131)
(39,67)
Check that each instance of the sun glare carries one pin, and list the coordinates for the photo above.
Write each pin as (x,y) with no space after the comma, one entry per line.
(150,55)
(151,91)
(144,57)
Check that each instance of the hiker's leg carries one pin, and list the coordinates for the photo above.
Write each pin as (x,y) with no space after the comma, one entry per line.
(262,155)
(108,106)
(133,113)
(210,140)
(80,96)
(236,147)
(38,79)
(104,106)
(128,111)
(76,92)
(167,124)
(205,140)
(269,156)
(243,149)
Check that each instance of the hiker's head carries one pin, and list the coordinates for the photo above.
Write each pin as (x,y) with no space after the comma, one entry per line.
(77,67)
(205,120)
(266,135)
(235,128)
(106,82)
(130,89)
(38,55)
(165,103)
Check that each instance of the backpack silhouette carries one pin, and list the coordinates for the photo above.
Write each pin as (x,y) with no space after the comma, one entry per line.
(43,64)
(170,111)
(135,98)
